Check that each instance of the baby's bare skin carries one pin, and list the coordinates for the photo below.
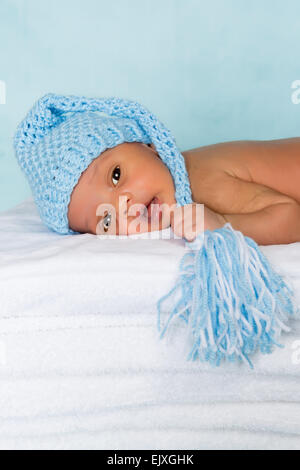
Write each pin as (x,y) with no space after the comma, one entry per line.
(254,185)
(274,163)
(141,176)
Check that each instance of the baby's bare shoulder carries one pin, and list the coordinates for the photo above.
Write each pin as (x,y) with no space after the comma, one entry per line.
(274,163)
(245,159)
(205,165)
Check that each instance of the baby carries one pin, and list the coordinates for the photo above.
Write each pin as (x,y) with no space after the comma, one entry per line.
(253,185)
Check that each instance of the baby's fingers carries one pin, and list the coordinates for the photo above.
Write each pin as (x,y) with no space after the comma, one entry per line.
(188,221)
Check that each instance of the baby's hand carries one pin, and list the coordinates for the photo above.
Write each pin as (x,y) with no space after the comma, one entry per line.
(190,220)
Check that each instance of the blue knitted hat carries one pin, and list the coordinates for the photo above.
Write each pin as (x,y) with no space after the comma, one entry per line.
(62,135)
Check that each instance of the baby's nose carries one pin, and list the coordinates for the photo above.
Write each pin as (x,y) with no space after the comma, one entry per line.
(123,202)
(127,210)
(130,207)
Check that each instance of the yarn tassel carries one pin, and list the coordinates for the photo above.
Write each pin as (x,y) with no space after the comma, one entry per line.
(230,298)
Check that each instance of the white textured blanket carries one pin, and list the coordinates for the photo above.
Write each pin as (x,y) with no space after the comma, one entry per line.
(81,365)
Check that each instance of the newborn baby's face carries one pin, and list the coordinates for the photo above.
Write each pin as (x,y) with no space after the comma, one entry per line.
(130,173)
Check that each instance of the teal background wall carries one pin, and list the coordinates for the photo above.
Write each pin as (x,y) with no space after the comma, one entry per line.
(212,71)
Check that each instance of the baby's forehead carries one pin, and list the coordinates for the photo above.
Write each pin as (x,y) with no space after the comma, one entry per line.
(122,149)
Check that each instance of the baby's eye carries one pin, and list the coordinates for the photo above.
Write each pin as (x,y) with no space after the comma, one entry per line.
(116,173)
(106,222)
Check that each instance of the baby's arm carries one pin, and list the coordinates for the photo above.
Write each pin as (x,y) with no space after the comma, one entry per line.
(267,216)
(273,225)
